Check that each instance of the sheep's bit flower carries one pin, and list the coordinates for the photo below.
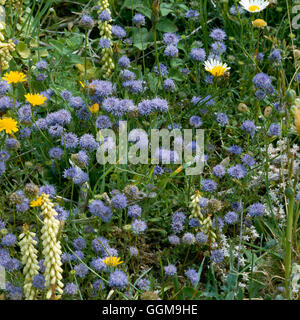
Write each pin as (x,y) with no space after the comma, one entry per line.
(9,125)
(215,67)
(14,77)
(35,99)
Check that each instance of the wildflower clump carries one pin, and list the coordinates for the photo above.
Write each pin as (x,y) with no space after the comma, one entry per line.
(29,260)
(105,43)
(51,249)
(6,48)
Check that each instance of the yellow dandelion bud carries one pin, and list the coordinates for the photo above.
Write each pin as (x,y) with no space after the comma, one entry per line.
(259,23)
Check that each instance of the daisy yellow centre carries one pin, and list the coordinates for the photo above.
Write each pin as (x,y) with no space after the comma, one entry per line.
(217,71)
(254,8)
(9,125)
(112,261)
(35,99)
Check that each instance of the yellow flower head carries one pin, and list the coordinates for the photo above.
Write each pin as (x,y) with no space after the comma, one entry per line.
(37,202)
(112,261)
(215,67)
(35,99)
(259,23)
(9,125)
(254,5)
(14,77)
(297,120)
(94,108)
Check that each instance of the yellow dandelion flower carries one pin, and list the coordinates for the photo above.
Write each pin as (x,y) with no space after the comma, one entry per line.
(36,203)
(215,67)
(297,120)
(254,5)
(94,108)
(9,125)
(259,23)
(35,99)
(14,77)
(112,261)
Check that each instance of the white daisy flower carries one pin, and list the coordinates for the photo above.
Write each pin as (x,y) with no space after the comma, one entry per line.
(254,5)
(216,67)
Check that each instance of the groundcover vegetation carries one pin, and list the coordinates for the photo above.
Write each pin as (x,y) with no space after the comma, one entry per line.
(83,82)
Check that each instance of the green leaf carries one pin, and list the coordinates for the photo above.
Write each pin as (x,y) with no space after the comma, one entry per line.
(166,25)
(165,9)
(23,50)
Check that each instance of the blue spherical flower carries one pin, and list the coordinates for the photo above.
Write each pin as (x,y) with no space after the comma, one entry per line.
(86,21)
(104,43)
(195,121)
(201,237)
(81,270)
(162,68)
(237,172)
(88,142)
(134,211)
(69,140)
(119,201)
(218,48)
(38,282)
(188,238)
(231,217)
(193,276)
(217,256)
(118,279)
(104,16)
(171,38)
(249,127)
(198,54)
(48,189)
(174,240)
(219,171)
(138,19)
(9,240)
(222,119)
(70,288)
(138,226)
(118,31)
(208,185)
(133,251)
(143,284)
(41,65)
(275,55)
(79,243)
(170,270)
(218,34)
(171,51)
(261,80)
(274,130)
(103,122)
(124,62)
(235,149)
(256,210)
(248,160)
(56,153)
(190,14)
